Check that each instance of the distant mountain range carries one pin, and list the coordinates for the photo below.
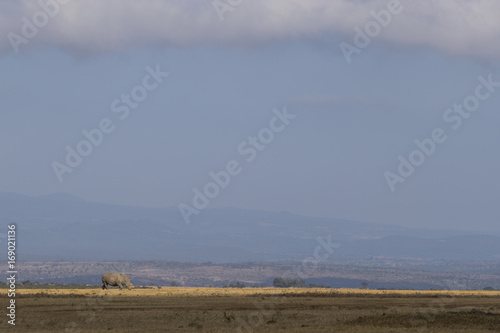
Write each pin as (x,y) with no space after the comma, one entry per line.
(64,227)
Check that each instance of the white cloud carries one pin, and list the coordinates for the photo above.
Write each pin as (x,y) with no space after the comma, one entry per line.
(460,27)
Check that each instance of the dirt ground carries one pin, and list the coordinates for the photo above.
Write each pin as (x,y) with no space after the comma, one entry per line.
(173,309)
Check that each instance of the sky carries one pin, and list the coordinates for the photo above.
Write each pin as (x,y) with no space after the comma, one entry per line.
(376,111)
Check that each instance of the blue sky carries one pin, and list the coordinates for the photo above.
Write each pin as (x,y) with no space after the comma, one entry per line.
(353,120)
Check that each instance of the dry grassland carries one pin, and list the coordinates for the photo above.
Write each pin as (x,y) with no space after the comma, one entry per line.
(175,309)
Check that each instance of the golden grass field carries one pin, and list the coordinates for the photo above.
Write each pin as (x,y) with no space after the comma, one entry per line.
(177,309)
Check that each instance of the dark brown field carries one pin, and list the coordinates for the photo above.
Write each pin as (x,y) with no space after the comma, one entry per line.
(253,310)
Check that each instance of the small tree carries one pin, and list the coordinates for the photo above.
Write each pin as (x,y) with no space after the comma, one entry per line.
(365,285)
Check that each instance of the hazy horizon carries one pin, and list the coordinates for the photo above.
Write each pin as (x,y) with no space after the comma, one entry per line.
(62,195)
(379,111)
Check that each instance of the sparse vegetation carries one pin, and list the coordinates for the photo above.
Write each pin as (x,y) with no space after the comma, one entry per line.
(288,283)
(317,286)
(258,310)
(235,285)
(423,275)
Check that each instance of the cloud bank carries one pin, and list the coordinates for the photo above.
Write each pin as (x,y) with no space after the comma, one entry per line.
(457,27)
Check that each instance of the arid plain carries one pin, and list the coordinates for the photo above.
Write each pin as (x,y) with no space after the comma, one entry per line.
(179,309)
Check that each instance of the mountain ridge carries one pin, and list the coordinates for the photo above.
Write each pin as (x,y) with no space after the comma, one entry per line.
(68,227)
